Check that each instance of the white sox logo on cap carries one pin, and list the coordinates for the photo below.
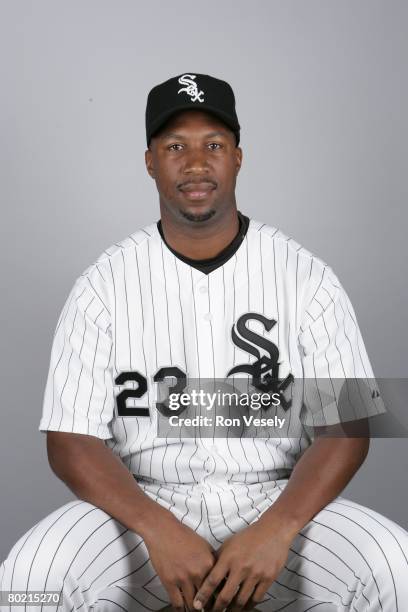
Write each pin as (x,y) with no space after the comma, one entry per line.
(191,88)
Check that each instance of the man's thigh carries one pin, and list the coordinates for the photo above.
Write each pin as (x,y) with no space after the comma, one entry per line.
(82,552)
(347,555)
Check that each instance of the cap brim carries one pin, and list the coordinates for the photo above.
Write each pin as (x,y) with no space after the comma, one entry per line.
(161,119)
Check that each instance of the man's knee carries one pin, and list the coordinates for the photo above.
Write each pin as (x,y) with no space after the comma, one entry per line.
(40,557)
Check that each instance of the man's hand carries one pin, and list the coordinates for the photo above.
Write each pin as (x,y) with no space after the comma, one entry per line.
(181,558)
(249,561)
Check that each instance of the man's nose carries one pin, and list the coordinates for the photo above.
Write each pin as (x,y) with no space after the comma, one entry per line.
(196,162)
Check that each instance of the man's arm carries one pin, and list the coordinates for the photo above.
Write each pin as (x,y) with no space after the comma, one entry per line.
(254,557)
(95,474)
(319,476)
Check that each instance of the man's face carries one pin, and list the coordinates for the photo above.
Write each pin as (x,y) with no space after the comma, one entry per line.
(194,161)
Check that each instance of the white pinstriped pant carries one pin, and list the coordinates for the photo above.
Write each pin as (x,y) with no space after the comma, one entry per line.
(348,557)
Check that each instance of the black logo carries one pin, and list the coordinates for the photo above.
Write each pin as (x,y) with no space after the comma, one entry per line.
(265,370)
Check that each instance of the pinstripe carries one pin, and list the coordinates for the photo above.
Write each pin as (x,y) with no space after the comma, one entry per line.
(139,567)
(289,411)
(167,304)
(308,579)
(59,545)
(144,586)
(291,589)
(359,509)
(181,313)
(313,562)
(121,558)
(230,530)
(262,274)
(348,338)
(320,283)
(112,602)
(127,310)
(142,350)
(296,291)
(93,377)
(65,311)
(342,536)
(276,291)
(151,295)
(211,328)
(95,558)
(141,307)
(195,324)
(115,308)
(27,539)
(211,531)
(358,340)
(100,273)
(336,345)
(286,605)
(140,603)
(96,293)
(83,543)
(315,372)
(234,297)
(341,559)
(69,362)
(82,366)
(325,354)
(57,364)
(378,544)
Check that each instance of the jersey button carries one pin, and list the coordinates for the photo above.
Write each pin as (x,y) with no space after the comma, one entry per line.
(203,289)
(207,316)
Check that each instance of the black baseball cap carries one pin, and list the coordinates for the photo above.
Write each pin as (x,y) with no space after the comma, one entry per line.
(187,91)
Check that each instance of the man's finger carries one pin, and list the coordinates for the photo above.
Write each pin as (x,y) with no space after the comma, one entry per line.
(243,595)
(176,598)
(208,587)
(227,593)
(188,590)
(258,596)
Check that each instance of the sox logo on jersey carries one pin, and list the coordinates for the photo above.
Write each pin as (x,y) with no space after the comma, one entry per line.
(265,370)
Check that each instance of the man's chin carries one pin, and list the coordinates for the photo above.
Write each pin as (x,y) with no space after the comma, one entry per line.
(198,217)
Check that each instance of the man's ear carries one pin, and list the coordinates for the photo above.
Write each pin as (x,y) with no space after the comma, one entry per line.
(238,152)
(149,162)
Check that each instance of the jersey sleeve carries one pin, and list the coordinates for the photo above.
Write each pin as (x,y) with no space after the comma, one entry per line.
(78,393)
(339,383)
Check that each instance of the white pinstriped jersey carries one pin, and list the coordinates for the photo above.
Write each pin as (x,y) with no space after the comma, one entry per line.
(139,308)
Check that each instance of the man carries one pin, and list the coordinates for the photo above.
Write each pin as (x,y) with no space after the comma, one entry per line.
(206,294)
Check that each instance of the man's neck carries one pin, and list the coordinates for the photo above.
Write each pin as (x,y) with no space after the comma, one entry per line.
(201,241)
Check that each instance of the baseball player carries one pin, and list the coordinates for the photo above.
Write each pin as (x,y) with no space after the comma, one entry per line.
(203,517)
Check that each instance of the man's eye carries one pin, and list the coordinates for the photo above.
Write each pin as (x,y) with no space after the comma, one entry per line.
(214,146)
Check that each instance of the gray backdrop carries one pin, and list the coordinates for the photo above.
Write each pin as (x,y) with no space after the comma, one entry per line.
(321,89)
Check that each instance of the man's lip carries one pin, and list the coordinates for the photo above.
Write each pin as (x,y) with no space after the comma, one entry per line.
(197,187)
(197,195)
